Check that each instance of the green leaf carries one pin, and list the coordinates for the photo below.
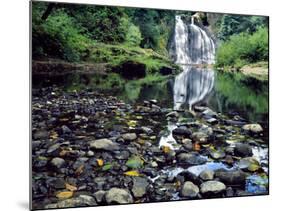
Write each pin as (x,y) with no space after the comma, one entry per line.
(134,162)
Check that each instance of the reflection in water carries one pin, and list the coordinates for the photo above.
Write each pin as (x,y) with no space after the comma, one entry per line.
(192,86)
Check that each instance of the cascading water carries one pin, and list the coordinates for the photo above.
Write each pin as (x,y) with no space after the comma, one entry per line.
(192,47)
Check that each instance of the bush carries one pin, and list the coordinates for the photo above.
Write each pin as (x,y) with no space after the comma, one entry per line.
(243,48)
(59,37)
(133,36)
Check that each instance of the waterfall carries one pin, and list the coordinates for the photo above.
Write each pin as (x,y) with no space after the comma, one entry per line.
(192,46)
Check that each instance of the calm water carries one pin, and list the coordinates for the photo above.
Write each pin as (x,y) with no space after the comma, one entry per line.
(231,94)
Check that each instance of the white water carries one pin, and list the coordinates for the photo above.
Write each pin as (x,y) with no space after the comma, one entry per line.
(192,46)
(193,85)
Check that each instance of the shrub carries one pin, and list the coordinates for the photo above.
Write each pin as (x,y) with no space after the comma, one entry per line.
(243,48)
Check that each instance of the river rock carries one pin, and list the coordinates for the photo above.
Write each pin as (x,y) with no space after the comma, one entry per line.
(212,187)
(65,129)
(200,137)
(207,175)
(243,150)
(79,201)
(147,130)
(187,144)
(174,114)
(249,163)
(217,154)
(189,190)
(139,187)
(58,162)
(104,144)
(118,196)
(41,134)
(253,128)
(182,131)
(231,177)
(191,158)
(99,195)
(129,136)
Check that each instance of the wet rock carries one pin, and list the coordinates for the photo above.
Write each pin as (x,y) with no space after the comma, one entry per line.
(147,130)
(57,162)
(213,187)
(65,129)
(200,137)
(41,134)
(207,175)
(53,148)
(173,114)
(139,187)
(249,163)
(123,155)
(100,182)
(182,131)
(253,128)
(229,192)
(79,201)
(104,144)
(189,190)
(118,196)
(231,177)
(57,183)
(217,154)
(187,144)
(212,121)
(208,113)
(90,153)
(129,136)
(153,101)
(228,160)
(191,158)
(40,162)
(99,196)
(243,150)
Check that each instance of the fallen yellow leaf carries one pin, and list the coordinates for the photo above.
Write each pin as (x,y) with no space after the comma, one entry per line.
(100,162)
(54,135)
(132,173)
(64,195)
(166,149)
(70,187)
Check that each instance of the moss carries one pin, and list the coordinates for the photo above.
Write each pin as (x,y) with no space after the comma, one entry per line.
(115,55)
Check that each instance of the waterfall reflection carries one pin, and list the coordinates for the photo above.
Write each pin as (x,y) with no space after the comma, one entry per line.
(193,86)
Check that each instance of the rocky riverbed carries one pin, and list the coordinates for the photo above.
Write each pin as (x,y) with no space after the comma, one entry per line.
(92,149)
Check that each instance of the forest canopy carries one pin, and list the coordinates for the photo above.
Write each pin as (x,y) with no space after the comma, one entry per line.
(78,33)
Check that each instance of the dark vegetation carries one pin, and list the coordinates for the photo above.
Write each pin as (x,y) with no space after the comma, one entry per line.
(116,35)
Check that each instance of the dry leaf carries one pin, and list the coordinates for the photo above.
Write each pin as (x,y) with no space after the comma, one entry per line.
(100,162)
(64,195)
(79,170)
(132,173)
(63,153)
(70,187)
(196,147)
(53,135)
(166,149)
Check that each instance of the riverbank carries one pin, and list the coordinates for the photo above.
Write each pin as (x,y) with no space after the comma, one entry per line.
(83,141)
(259,70)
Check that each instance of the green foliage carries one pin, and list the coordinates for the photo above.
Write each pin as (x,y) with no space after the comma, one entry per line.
(133,36)
(235,24)
(58,37)
(243,48)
